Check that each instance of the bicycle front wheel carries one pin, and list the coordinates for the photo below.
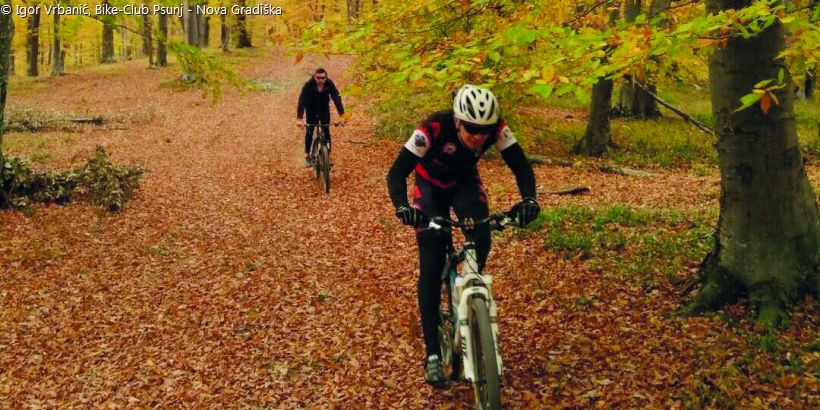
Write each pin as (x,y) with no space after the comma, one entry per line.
(314,153)
(325,155)
(487,383)
(450,358)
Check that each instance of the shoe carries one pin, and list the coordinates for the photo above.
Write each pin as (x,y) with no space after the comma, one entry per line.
(307,162)
(433,374)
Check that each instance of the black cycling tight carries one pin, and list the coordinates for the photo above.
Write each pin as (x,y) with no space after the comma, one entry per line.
(469,200)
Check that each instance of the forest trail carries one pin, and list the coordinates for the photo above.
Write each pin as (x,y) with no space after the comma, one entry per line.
(231,280)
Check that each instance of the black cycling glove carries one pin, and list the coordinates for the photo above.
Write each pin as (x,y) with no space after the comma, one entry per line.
(525,211)
(411,216)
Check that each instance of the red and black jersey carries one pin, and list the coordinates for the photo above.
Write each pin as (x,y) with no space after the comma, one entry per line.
(443,158)
(439,157)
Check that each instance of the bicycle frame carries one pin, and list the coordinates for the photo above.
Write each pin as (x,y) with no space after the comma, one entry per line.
(318,138)
(462,288)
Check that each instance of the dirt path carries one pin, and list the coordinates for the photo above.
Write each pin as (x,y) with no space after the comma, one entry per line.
(231,281)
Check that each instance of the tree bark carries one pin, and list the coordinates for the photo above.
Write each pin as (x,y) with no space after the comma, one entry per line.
(6,36)
(162,53)
(244,40)
(147,37)
(125,48)
(632,100)
(33,37)
(768,233)
(658,7)
(204,32)
(191,22)
(353,8)
(58,63)
(811,79)
(225,33)
(107,39)
(597,138)
(202,28)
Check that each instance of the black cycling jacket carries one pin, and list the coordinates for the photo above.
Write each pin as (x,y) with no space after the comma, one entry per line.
(317,103)
(438,156)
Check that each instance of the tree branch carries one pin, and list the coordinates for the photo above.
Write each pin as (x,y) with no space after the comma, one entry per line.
(585,13)
(684,115)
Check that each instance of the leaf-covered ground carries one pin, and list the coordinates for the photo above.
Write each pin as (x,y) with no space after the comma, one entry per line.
(230,280)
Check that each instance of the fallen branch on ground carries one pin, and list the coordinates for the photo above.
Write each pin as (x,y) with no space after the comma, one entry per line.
(93,120)
(626,171)
(540,159)
(684,115)
(573,190)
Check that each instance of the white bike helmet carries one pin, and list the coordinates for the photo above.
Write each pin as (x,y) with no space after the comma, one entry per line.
(476,105)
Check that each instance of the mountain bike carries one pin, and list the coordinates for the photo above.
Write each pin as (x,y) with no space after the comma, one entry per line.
(468,329)
(320,154)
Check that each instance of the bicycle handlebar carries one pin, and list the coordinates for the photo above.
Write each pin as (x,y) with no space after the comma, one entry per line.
(496,222)
(335,124)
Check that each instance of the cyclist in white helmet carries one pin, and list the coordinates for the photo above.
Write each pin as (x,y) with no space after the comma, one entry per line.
(444,151)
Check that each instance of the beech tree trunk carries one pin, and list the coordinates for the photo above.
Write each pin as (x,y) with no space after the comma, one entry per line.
(162,53)
(125,48)
(33,37)
(58,60)
(597,138)
(353,8)
(633,101)
(202,28)
(225,33)
(107,39)
(147,37)
(191,22)
(244,40)
(768,233)
(6,36)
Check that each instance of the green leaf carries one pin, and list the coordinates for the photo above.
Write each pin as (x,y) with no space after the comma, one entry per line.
(763,83)
(543,90)
(748,100)
(400,76)
(780,75)
(564,89)
(495,56)
(582,95)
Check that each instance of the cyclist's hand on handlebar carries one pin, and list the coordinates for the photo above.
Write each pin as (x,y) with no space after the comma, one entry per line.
(411,216)
(525,211)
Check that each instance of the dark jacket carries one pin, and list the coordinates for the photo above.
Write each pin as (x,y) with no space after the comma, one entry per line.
(316,103)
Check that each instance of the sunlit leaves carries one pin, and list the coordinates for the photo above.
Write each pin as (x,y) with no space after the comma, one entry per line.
(764,92)
(545,49)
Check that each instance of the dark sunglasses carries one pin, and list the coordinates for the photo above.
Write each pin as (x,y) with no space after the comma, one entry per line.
(321,78)
(477,129)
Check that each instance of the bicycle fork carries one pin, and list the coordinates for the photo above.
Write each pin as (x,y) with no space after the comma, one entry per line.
(469,285)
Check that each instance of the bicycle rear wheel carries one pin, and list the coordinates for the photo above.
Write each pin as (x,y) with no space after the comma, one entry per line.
(325,155)
(487,383)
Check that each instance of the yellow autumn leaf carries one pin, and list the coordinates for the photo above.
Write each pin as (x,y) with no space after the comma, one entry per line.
(548,72)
